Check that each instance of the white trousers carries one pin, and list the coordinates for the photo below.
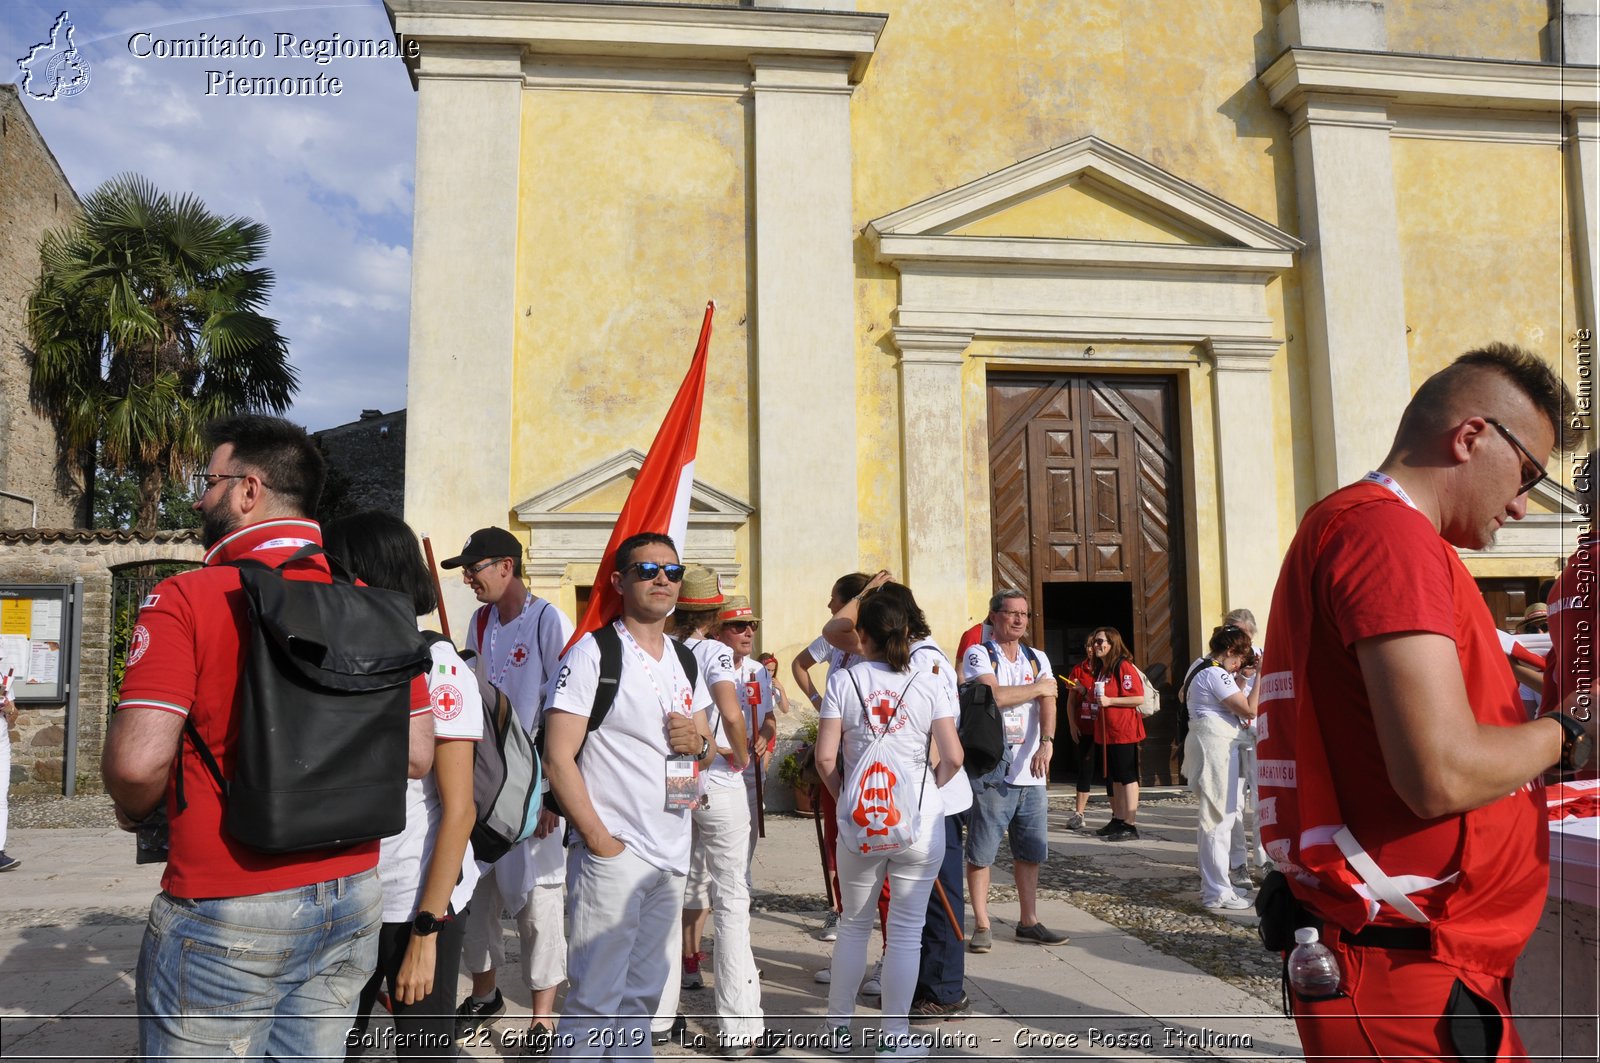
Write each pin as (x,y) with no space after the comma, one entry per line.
(911,875)
(721,859)
(621,912)
(1211,760)
(5,781)
(540,931)
(1240,849)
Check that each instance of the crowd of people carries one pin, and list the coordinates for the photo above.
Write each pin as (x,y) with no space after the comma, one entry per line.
(656,730)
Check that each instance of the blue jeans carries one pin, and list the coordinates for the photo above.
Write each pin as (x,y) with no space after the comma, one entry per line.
(266,976)
(944,958)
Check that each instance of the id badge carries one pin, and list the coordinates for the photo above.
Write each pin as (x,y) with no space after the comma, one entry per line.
(683,782)
(1016,727)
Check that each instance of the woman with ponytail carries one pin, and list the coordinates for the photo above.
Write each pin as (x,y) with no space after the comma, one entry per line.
(872,754)
(1118,728)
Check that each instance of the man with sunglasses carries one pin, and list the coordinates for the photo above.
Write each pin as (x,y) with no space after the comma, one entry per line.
(629,798)
(517,637)
(1395,761)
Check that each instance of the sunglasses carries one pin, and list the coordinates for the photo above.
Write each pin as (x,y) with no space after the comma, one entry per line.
(649,570)
(1532,472)
(742,625)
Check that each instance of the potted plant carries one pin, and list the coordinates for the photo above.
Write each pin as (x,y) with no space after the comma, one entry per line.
(798,770)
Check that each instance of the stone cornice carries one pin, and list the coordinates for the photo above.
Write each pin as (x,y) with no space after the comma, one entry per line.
(1492,84)
(641,30)
(1054,254)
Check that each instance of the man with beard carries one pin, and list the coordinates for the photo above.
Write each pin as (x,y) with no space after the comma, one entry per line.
(246,953)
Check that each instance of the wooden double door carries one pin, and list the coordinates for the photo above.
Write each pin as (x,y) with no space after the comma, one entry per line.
(1087,514)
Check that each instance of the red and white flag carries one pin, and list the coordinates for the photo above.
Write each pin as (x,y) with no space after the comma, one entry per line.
(659,499)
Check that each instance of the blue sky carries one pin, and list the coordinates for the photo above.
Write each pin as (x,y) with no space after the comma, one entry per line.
(330,176)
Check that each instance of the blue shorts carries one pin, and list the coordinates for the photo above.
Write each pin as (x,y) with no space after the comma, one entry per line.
(1000,808)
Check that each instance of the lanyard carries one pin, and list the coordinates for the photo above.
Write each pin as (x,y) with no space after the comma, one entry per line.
(499,677)
(1384,480)
(649,669)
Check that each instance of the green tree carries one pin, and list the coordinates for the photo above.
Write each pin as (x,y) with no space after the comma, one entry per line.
(145,325)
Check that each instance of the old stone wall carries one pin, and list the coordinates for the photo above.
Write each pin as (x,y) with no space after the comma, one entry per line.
(34,198)
(31,556)
(366,464)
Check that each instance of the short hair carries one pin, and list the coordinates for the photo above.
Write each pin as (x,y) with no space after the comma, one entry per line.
(916,621)
(289,462)
(1228,639)
(626,549)
(381,550)
(1434,408)
(1241,617)
(1001,597)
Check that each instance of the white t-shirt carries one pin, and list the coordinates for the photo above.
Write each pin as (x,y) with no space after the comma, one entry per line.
(1210,687)
(823,650)
(754,692)
(403,859)
(928,657)
(716,661)
(624,760)
(906,703)
(522,656)
(1021,721)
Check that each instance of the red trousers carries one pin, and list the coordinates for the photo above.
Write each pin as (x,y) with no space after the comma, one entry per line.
(1395,1006)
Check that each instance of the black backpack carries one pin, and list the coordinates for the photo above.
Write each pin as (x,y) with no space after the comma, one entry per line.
(605,691)
(980,727)
(324,712)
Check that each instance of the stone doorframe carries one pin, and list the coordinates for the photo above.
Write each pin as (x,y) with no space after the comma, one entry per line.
(1134,297)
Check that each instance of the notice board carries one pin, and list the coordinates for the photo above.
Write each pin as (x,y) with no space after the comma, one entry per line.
(35,625)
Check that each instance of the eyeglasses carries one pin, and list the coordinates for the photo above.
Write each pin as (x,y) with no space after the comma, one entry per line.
(473,570)
(742,625)
(205,481)
(1013,612)
(1532,472)
(649,570)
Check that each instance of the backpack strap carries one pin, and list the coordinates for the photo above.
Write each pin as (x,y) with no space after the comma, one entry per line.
(1032,657)
(605,691)
(691,663)
(1188,680)
(481,620)
(994,656)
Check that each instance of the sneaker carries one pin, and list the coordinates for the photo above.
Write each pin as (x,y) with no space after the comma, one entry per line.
(1041,934)
(830,928)
(8,863)
(540,1039)
(1240,877)
(691,972)
(1230,902)
(1125,833)
(765,1045)
(678,1032)
(905,1046)
(823,976)
(1074,821)
(472,1016)
(923,1011)
(873,986)
(981,939)
(1110,827)
(837,1039)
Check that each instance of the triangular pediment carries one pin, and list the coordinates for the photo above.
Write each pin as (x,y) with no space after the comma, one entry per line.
(602,489)
(1090,191)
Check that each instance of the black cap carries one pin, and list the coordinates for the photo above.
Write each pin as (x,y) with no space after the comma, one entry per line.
(485,543)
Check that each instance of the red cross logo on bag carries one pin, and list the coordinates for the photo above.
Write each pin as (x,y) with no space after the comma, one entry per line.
(875,809)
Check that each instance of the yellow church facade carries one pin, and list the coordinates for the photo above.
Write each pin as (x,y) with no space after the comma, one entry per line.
(1090,297)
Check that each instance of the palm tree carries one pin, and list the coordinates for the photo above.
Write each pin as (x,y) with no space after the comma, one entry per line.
(144,326)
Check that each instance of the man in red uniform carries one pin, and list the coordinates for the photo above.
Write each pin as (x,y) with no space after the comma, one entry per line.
(246,954)
(1395,761)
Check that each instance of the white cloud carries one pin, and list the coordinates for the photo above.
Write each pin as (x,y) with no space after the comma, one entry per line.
(330,176)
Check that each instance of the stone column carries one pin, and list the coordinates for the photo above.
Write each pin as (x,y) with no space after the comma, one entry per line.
(932,478)
(1583,169)
(804,330)
(463,296)
(1354,290)
(1241,389)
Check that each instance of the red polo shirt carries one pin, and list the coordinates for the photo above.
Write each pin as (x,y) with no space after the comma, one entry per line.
(187,657)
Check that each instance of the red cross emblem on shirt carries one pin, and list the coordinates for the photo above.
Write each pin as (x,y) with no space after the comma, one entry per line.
(447,703)
(883,710)
(519,654)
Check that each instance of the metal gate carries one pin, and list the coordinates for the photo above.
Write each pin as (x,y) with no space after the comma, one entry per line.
(129,588)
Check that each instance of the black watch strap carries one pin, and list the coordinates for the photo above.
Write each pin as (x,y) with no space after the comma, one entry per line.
(427,923)
(1577,748)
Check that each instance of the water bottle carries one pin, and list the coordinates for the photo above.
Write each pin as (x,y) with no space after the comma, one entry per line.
(1313,972)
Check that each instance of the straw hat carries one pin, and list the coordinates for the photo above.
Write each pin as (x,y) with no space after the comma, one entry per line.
(1538,613)
(701,592)
(737,607)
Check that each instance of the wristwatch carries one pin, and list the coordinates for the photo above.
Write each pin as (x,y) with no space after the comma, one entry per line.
(705,747)
(1577,747)
(427,923)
